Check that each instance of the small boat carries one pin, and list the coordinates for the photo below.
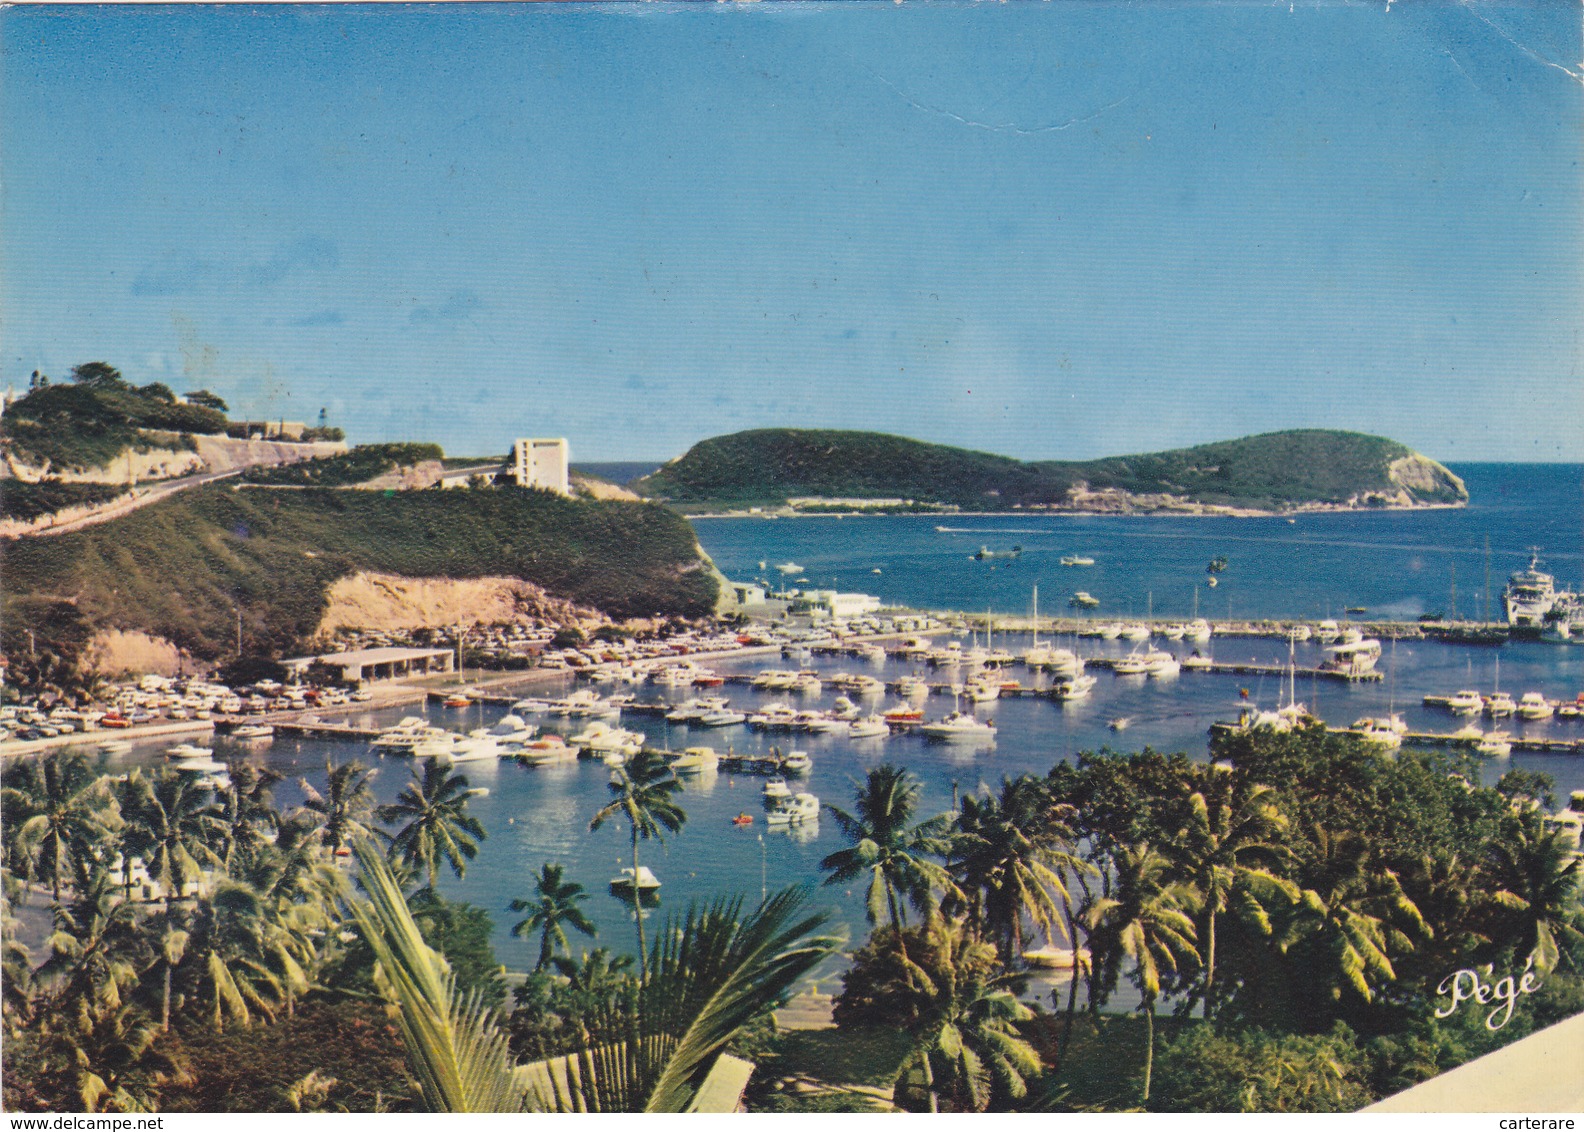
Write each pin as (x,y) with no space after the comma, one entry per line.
(1074,687)
(743,819)
(723,718)
(776,787)
(1077,560)
(1378,731)
(1197,630)
(1083,600)
(188,751)
(546,750)
(115,746)
(1135,632)
(695,760)
(1496,744)
(1120,723)
(959,725)
(1466,702)
(1134,664)
(1535,707)
(253,731)
(457,700)
(624,880)
(797,762)
(1499,705)
(869,727)
(797,808)
(1057,958)
(789,568)
(1197,660)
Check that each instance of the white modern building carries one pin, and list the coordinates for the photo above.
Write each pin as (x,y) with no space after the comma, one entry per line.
(541,462)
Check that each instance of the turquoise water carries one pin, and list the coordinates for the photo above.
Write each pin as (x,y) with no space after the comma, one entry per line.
(1391,562)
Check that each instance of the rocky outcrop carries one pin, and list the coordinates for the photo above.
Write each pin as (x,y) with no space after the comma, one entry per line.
(390,602)
(115,652)
(208,454)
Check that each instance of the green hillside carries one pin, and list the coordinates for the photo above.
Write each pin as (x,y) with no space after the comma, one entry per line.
(88,423)
(1268,472)
(180,568)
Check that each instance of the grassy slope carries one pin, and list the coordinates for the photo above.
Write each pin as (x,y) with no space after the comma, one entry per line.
(27,501)
(769,465)
(178,568)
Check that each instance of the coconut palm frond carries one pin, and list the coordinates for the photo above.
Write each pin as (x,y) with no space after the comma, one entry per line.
(716,975)
(455,1050)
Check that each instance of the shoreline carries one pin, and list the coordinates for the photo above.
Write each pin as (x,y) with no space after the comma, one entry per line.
(1196,511)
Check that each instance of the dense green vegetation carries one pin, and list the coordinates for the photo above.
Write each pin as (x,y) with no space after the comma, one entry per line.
(768,466)
(1300,465)
(183,567)
(26,501)
(244,972)
(361,464)
(1296,906)
(1299,934)
(89,423)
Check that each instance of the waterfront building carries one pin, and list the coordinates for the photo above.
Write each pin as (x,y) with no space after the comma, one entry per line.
(833,604)
(748,593)
(376,664)
(541,462)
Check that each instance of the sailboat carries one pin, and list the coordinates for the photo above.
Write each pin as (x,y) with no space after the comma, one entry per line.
(1038,655)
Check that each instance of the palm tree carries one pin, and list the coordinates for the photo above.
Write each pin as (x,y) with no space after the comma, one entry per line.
(641,790)
(557,904)
(95,949)
(346,807)
(889,846)
(1537,875)
(56,810)
(171,822)
(710,977)
(1144,920)
(433,807)
(1348,924)
(116,1064)
(225,964)
(1008,857)
(247,809)
(966,1039)
(1222,841)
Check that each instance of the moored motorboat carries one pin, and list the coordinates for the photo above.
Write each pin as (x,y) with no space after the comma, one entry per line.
(643,880)
(1534,707)
(801,807)
(959,725)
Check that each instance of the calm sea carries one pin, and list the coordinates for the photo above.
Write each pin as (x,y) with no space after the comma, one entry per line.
(1396,564)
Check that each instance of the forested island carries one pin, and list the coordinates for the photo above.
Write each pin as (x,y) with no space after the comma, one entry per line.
(812,469)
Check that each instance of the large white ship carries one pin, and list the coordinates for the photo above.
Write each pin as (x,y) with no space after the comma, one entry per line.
(1531,595)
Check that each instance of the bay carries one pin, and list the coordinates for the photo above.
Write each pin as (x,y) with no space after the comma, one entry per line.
(1393,562)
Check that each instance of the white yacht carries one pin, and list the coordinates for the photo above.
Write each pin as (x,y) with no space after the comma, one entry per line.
(188,751)
(1379,731)
(1077,560)
(1534,706)
(959,725)
(1197,660)
(796,808)
(1135,632)
(1500,705)
(1134,664)
(1496,744)
(776,787)
(869,727)
(600,738)
(1197,630)
(1466,702)
(797,762)
(627,881)
(695,760)
(725,717)
(547,750)
(773,717)
(1161,664)
(1529,595)
(1352,657)
(1074,687)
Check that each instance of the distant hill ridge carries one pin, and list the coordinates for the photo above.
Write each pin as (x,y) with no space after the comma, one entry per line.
(1272,472)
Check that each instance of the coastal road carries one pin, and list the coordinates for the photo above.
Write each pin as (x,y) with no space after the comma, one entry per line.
(123,505)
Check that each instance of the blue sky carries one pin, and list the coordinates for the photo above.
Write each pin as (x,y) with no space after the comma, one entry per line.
(1048,230)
